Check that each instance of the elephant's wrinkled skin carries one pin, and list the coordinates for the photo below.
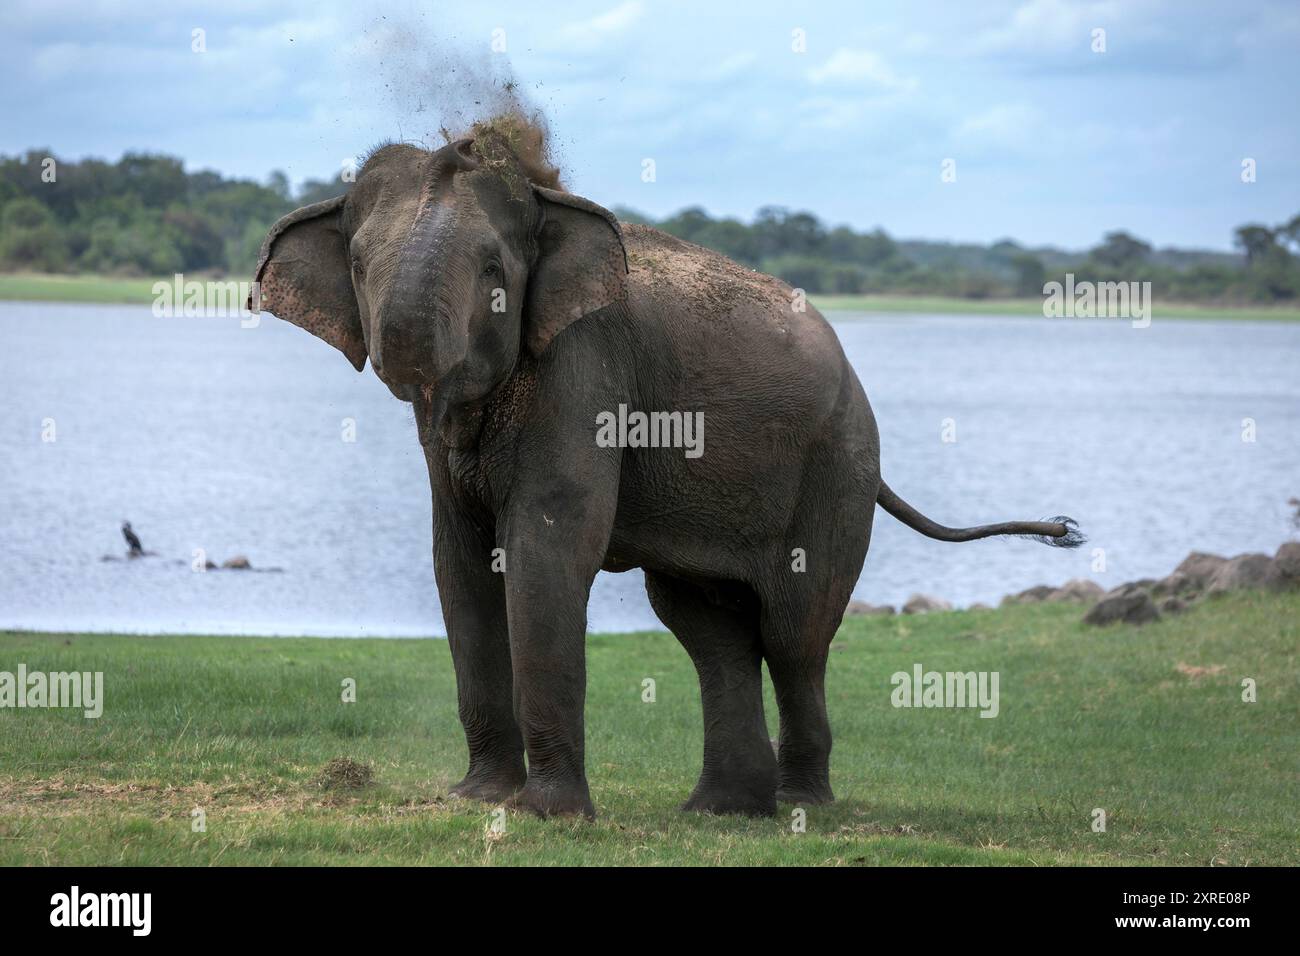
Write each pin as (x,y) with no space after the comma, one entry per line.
(592,315)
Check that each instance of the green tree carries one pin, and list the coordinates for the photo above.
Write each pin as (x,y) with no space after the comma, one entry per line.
(1289,234)
(1031,274)
(1119,250)
(30,237)
(318,190)
(1256,241)
(278,183)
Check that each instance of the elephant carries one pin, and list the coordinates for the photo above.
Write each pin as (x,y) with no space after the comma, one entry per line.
(517,318)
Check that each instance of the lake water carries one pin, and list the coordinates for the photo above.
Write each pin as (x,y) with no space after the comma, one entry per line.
(206,435)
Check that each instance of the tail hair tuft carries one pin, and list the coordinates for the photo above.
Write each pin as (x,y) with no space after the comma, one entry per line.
(1072,538)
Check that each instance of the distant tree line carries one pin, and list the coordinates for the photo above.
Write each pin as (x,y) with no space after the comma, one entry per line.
(800,249)
(142,215)
(145,215)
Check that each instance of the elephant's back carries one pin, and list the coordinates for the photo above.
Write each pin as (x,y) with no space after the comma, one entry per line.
(727,321)
(782,414)
(661,265)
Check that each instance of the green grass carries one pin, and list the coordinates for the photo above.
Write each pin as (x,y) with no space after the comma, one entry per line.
(241,727)
(1034,307)
(108,290)
(33,287)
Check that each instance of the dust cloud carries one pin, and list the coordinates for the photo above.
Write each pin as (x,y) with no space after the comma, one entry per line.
(434,89)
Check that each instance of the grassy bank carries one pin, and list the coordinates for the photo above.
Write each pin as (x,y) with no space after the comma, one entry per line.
(242,727)
(108,290)
(1034,307)
(31,287)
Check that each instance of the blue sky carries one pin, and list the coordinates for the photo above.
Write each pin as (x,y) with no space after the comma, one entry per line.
(1053,143)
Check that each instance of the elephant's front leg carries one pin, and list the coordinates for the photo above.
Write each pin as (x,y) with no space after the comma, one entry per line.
(554,547)
(474,609)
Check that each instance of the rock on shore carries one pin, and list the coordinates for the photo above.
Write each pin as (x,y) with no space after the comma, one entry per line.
(1132,607)
(1197,577)
(862,607)
(924,604)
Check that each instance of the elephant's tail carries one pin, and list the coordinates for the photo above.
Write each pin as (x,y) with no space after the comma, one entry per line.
(1059,532)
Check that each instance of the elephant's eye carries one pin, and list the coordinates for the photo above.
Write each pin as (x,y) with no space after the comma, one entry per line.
(492,269)
(358,267)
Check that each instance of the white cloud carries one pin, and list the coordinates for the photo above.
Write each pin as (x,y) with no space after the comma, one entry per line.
(1272,28)
(1009,130)
(731,66)
(860,66)
(830,113)
(1047,27)
(1006,125)
(608,24)
(918,43)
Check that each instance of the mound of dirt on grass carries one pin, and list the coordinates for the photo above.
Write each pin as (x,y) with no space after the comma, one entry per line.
(343,773)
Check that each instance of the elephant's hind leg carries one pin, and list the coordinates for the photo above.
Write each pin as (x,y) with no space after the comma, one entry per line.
(798,675)
(801,613)
(718,626)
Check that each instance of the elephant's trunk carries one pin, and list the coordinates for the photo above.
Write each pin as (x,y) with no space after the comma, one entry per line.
(422,335)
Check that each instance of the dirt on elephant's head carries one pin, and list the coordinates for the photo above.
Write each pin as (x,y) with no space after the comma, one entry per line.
(512,142)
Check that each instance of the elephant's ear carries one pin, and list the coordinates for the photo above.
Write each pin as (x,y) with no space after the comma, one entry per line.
(581,266)
(305,277)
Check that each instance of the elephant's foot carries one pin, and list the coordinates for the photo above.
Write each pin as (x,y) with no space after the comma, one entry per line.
(716,800)
(804,794)
(554,799)
(737,786)
(489,787)
(805,776)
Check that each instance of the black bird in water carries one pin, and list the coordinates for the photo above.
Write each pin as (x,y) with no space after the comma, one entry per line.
(132,541)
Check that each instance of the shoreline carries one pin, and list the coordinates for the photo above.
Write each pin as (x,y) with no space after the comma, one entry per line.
(117,290)
(1198,576)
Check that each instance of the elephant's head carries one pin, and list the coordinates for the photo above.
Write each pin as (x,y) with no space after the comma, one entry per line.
(442,266)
